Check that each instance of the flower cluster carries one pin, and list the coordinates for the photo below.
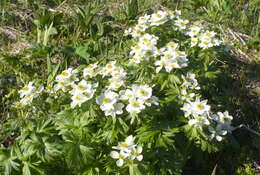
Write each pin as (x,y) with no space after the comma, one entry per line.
(155,19)
(127,150)
(222,125)
(146,43)
(82,92)
(199,113)
(29,92)
(171,58)
(203,38)
(145,48)
(114,96)
(137,97)
(65,80)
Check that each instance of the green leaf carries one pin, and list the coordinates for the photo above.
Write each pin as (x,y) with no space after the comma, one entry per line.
(214,170)
(83,52)
(134,170)
(26,169)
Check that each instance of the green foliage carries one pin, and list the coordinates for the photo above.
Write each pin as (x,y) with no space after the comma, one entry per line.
(51,138)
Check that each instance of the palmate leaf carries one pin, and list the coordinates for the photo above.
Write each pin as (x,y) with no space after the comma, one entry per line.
(197,136)
(8,161)
(78,155)
(134,170)
(42,146)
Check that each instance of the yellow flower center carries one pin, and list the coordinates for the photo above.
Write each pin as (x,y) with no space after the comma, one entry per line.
(28,97)
(135,104)
(77,98)
(123,144)
(199,118)
(143,92)
(205,42)
(135,153)
(193,41)
(120,156)
(129,95)
(207,34)
(163,63)
(194,31)
(80,87)
(109,66)
(200,106)
(25,88)
(158,15)
(64,74)
(168,56)
(106,100)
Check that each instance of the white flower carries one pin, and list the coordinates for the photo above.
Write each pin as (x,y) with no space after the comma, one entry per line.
(118,73)
(136,153)
(158,18)
(194,31)
(168,55)
(144,19)
(153,100)
(185,95)
(181,24)
(193,42)
(208,35)
(147,38)
(27,99)
(136,49)
(199,107)
(116,110)
(90,70)
(142,92)
(172,46)
(199,121)
(29,92)
(127,150)
(78,99)
(195,108)
(128,31)
(120,156)
(205,44)
(60,85)
(135,106)
(67,75)
(26,90)
(126,145)
(190,81)
(81,87)
(126,94)
(67,78)
(217,132)
(115,83)
(223,118)
(162,63)
(110,66)
(107,100)
(187,109)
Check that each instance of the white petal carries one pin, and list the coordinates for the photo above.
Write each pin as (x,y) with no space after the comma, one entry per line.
(139,149)
(129,140)
(223,132)
(192,122)
(132,157)
(139,158)
(119,162)
(114,154)
(219,138)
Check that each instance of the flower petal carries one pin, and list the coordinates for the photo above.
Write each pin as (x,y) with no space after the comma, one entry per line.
(114,154)
(120,162)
